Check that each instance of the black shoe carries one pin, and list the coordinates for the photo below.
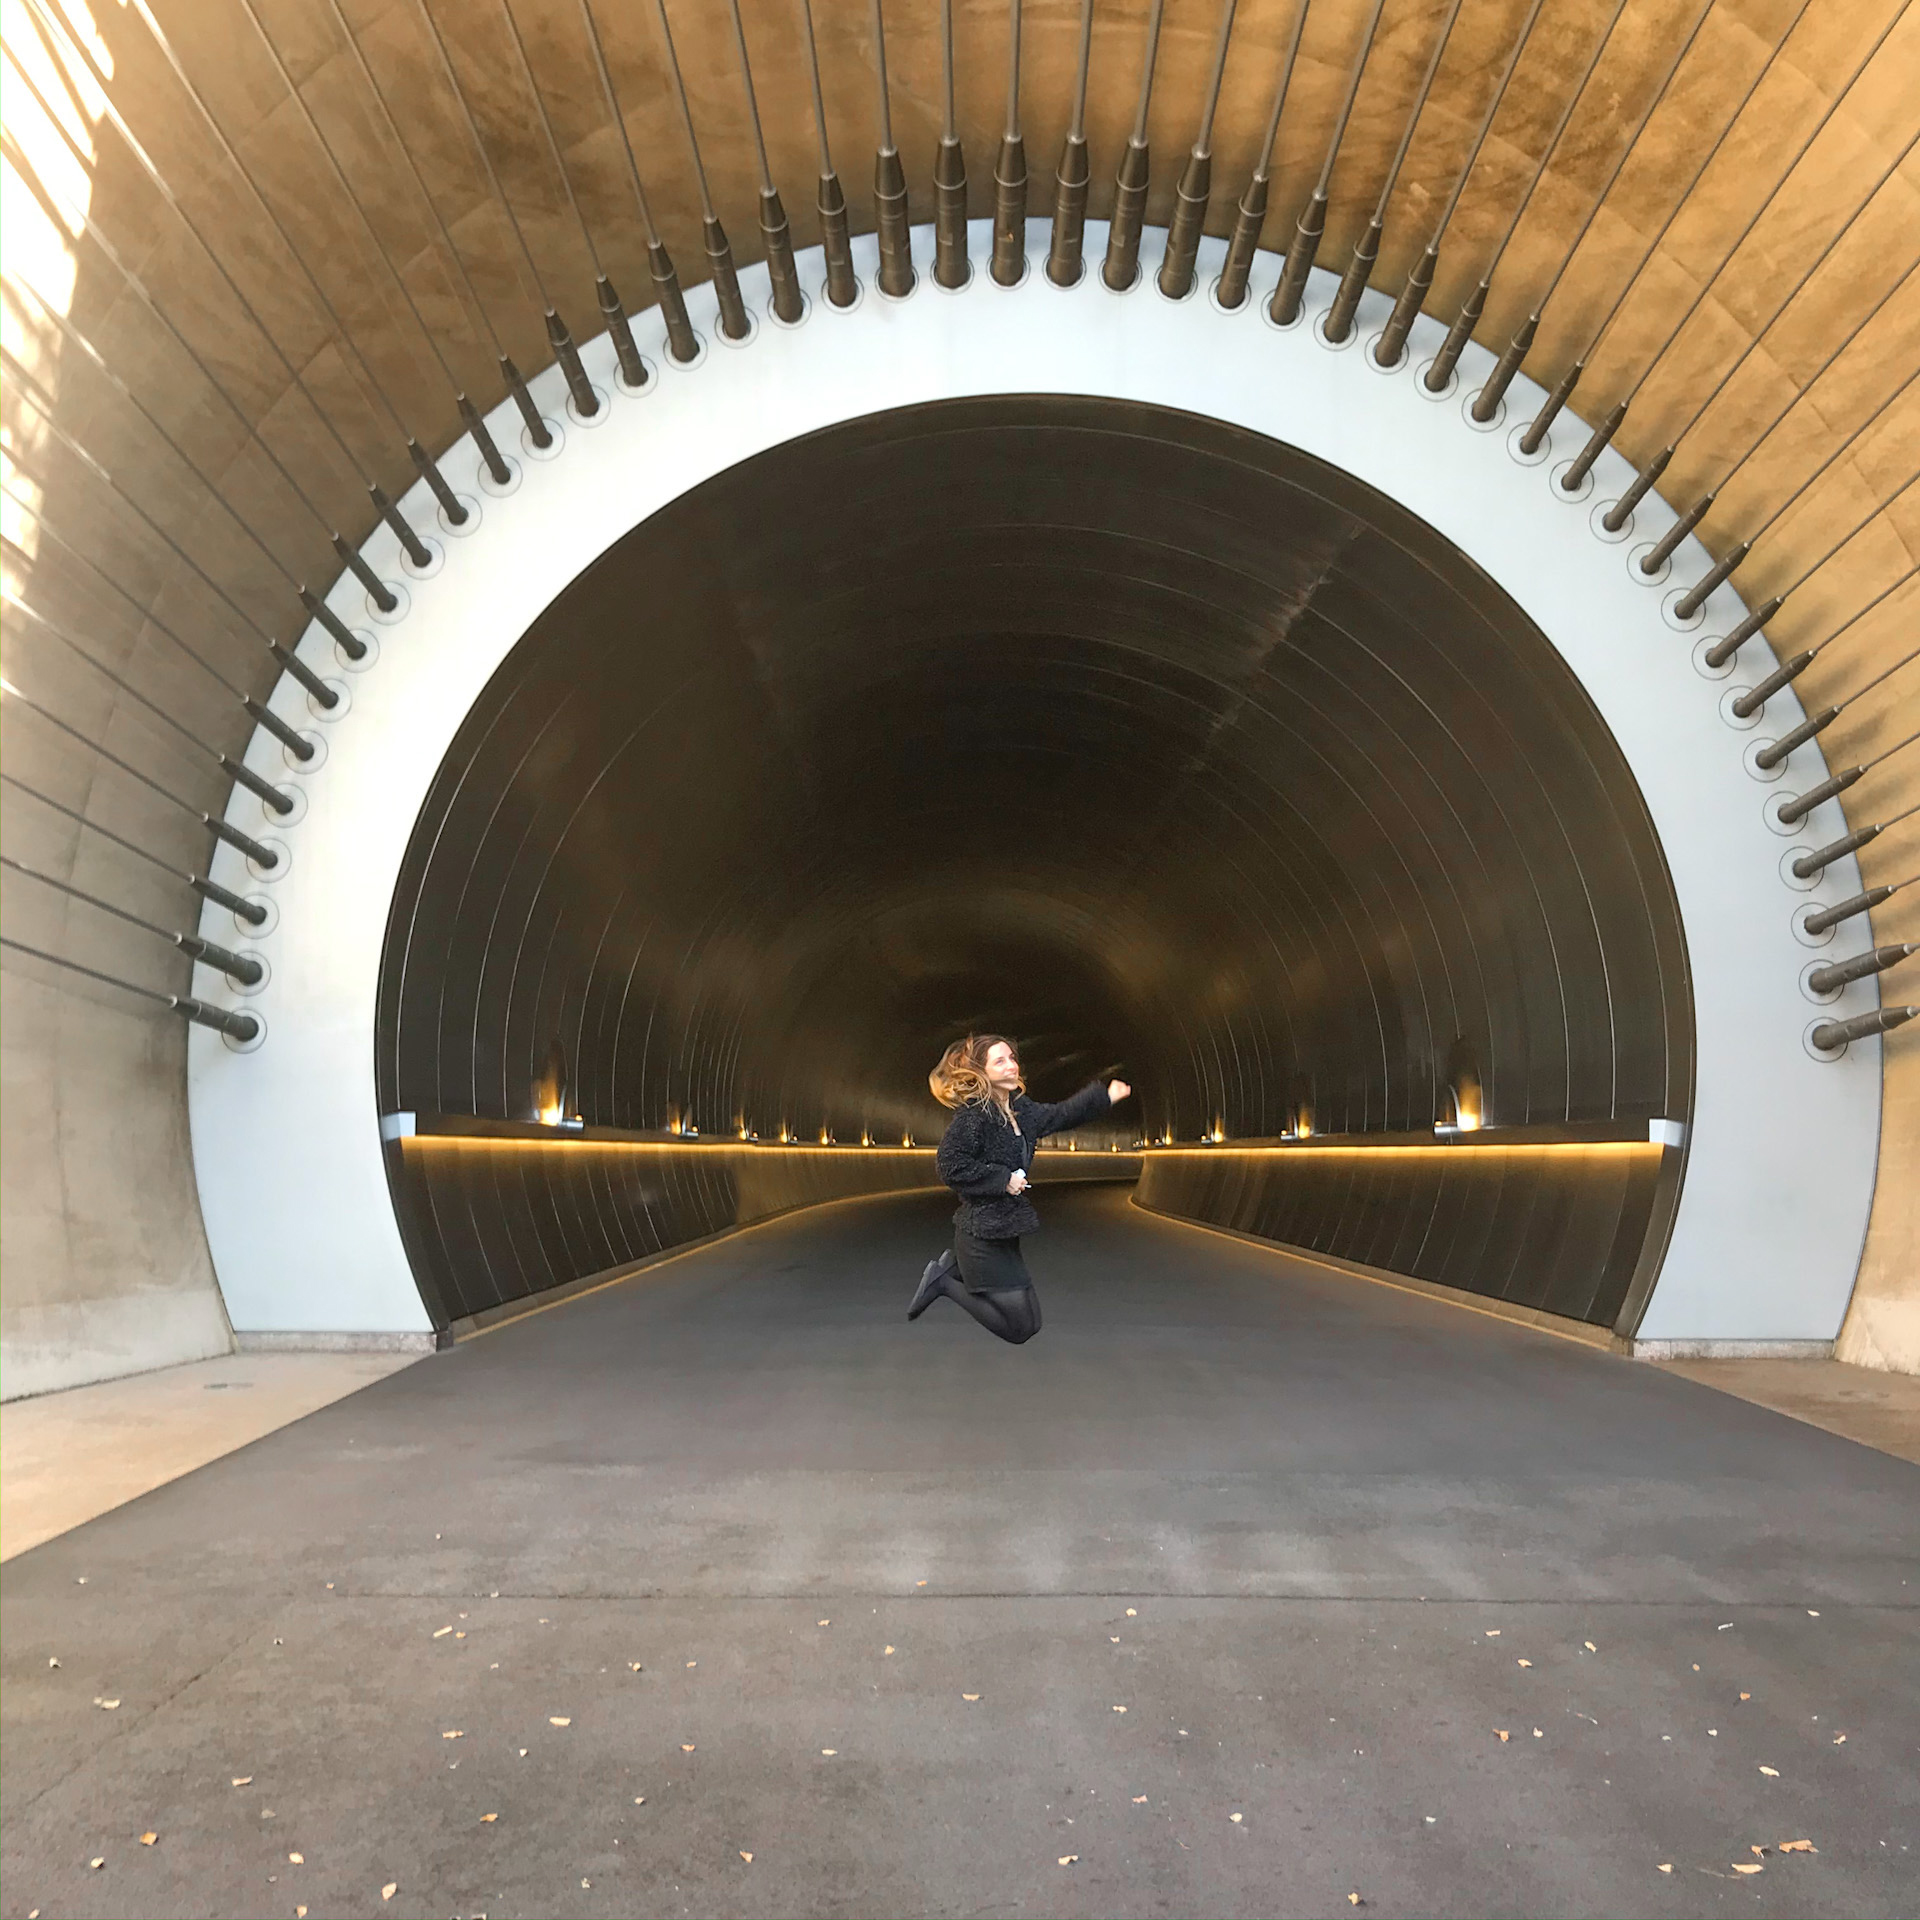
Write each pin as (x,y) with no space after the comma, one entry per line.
(930,1288)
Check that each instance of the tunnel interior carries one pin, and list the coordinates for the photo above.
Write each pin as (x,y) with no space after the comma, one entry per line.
(1155,744)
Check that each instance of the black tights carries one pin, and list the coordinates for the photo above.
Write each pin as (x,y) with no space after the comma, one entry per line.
(1011,1311)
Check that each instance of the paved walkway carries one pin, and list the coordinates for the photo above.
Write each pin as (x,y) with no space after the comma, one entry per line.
(691,1583)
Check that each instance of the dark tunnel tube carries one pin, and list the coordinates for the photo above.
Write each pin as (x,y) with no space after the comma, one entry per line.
(1154,743)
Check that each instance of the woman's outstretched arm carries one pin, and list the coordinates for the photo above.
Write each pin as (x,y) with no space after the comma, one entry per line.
(1043,1118)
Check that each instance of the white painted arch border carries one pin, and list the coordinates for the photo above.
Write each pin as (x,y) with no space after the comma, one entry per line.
(286,1141)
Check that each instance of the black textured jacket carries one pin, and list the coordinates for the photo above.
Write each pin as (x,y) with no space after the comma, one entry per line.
(979,1150)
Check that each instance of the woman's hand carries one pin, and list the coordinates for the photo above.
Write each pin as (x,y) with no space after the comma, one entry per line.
(1017,1181)
(1117,1090)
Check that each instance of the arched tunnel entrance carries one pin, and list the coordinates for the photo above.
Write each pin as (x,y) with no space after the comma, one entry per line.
(1159,744)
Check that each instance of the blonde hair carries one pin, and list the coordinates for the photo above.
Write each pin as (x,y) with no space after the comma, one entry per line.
(960,1080)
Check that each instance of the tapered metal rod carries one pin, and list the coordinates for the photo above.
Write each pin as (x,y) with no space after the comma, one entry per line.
(1284,307)
(830,201)
(240,1026)
(261,856)
(1817,920)
(236,966)
(42,402)
(1810,866)
(1861,967)
(1065,253)
(951,268)
(1195,187)
(1444,362)
(632,368)
(1537,430)
(403,531)
(1366,250)
(1517,349)
(1691,601)
(1250,216)
(1121,268)
(232,154)
(1790,812)
(1831,1035)
(681,340)
(892,215)
(456,514)
(1392,343)
(776,236)
(267,794)
(1010,173)
(251,912)
(1724,649)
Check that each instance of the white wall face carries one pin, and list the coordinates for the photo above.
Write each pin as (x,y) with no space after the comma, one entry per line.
(286,1137)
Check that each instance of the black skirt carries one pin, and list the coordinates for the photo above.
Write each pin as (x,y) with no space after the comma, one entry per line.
(989,1266)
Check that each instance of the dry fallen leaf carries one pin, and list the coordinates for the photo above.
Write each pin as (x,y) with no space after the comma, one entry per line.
(97,1864)
(686,1746)
(1115,1638)
(1132,1612)
(969,1696)
(1666,1866)
(693,1663)
(454,1733)
(1839,1739)
(1493,1633)
(1538,1735)
(1066,1859)
(243,1780)
(298,1859)
(559,1719)
(633,1666)
(108,1704)
(1748,1866)
(1813,1613)
(1590,1647)
(523,1753)
(829,1752)
(886,1649)
(487,1819)
(745,1855)
(1354,1900)
(1523,1663)
(1236,1818)
(919,1583)
(1746,1696)
(823,1623)
(390,1889)
(1760,1852)
(299,1913)
(586,1883)
(1119,1709)
(1139,1799)
(1501,1734)
(51,1662)
(1772,1773)
(1798,1846)
(639,1799)
(147,1839)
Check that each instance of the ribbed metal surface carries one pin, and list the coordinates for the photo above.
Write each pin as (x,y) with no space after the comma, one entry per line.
(1148,740)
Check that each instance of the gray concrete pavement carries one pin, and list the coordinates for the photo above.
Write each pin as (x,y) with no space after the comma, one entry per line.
(1323,1541)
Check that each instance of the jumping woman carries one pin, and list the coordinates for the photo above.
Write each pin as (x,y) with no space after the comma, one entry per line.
(985,1157)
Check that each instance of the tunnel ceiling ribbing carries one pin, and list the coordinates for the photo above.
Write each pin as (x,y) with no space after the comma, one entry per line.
(1146,739)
